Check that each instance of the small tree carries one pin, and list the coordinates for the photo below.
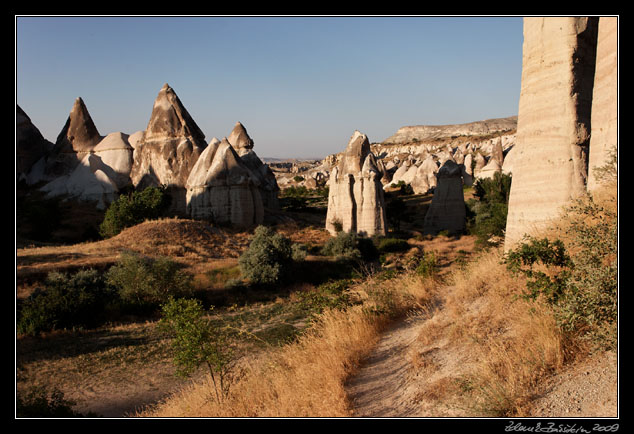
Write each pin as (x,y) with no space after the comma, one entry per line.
(268,258)
(195,342)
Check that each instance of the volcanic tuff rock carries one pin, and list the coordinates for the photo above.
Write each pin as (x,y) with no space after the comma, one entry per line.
(221,188)
(89,181)
(355,198)
(604,99)
(30,145)
(553,129)
(447,210)
(427,132)
(169,148)
(243,145)
(117,154)
(77,138)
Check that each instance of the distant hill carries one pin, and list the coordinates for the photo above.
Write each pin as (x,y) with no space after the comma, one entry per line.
(429,132)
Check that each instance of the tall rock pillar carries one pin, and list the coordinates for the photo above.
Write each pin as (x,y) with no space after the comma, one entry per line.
(604,99)
(553,127)
(355,198)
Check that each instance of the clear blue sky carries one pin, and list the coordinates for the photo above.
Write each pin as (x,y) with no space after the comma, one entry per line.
(300,85)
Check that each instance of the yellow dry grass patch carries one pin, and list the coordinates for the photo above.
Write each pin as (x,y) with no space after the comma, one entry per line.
(305,378)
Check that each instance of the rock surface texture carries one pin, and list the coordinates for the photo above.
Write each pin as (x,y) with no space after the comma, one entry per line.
(553,128)
(168,150)
(77,138)
(355,198)
(221,188)
(426,132)
(243,145)
(30,145)
(604,99)
(447,211)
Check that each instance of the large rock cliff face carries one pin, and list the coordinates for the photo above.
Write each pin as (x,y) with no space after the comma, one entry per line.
(355,198)
(604,99)
(221,188)
(168,149)
(553,128)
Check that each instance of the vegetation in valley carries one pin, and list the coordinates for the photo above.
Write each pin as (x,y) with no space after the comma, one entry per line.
(272,322)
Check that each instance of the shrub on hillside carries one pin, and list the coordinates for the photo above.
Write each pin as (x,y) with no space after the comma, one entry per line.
(132,209)
(39,402)
(487,213)
(268,258)
(582,285)
(349,245)
(77,300)
(148,282)
(388,245)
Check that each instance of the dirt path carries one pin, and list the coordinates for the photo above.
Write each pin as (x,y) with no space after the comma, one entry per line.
(387,385)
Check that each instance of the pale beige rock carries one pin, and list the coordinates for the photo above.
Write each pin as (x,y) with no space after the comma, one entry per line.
(89,181)
(604,99)
(447,210)
(553,121)
(480,162)
(490,169)
(169,148)
(116,153)
(243,145)
(221,188)
(355,198)
(426,132)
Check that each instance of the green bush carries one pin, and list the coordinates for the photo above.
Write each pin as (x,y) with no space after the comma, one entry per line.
(132,209)
(593,295)
(39,402)
(350,246)
(329,295)
(68,301)
(428,265)
(146,282)
(527,259)
(299,252)
(268,258)
(581,286)
(387,245)
(487,213)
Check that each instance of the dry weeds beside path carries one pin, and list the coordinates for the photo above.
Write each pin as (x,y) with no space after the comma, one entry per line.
(389,384)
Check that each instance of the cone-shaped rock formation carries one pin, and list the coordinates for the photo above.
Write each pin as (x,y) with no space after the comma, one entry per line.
(168,149)
(221,188)
(243,145)
(30,145)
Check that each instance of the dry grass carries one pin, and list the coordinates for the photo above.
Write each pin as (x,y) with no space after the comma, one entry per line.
(513,342)
(306,378)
